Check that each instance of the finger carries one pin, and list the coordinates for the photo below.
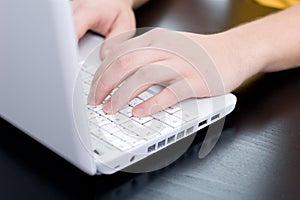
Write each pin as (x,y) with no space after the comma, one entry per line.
(89,15)
(169,96)
(80,23)
(118,71)
(141,42)
(142,79)
(122,30)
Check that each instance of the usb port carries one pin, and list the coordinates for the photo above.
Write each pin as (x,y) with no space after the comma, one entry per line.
(171,139)
(151,148)
(161,144)
(202,123)
(215,117)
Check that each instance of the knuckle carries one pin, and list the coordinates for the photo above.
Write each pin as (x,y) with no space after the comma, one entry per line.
(123,62)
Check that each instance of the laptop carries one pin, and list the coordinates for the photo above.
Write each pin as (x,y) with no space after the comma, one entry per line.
(44,81)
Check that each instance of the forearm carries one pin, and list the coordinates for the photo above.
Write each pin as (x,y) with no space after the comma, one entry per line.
(269,44)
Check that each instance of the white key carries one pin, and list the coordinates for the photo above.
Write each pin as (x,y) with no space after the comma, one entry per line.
(145,95)
(155,89)
(114,91)
(102,113)
(107,98)
(91,114)
(160,115)
(143,119)
(127,111)
(159,126)
(119,118)
(111,128)
(100,121)
(109,138)
(173,109)
(146,133)
(123,146)
(123,135)
(135,102)
(95,108)
(171,121)
(185,115)
(98,132)
(131,125)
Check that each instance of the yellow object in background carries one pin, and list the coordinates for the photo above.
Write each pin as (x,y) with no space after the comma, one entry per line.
(280,4)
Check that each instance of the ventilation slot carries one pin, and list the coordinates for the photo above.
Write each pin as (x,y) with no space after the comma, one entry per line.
(215,117)
(189,130)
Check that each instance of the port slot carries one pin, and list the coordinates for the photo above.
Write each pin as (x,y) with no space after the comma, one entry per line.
(171,139)
(189,130)
(215,117)
(161,144)
(202,123)
(180,135)
(151,148)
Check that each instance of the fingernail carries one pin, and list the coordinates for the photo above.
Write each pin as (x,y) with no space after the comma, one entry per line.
(107,107)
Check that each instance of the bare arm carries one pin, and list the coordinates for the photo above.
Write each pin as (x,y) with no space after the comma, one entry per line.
(268,44)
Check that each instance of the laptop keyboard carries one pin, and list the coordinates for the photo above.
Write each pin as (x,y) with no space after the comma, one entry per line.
(122,130)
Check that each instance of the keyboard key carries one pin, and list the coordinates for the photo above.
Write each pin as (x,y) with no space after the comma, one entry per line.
(95,108)
(100,121)
(111,127)
(127,111)
(155,89)
(160,115)
(185,115)
(91,114)
(146,133)
(132,125)
(159,126)
(145,95)
(135,102)
(173,109)
(119,118)
(142,120)
(171,120)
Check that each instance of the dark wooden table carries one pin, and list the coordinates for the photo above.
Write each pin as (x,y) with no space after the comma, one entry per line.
(257,156)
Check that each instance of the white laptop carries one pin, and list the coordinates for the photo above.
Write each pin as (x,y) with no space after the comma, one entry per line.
(44,80)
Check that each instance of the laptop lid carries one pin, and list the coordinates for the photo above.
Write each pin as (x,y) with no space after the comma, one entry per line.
(38,70)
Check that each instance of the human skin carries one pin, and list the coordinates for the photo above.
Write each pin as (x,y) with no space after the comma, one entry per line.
(106,17)
(265,45)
